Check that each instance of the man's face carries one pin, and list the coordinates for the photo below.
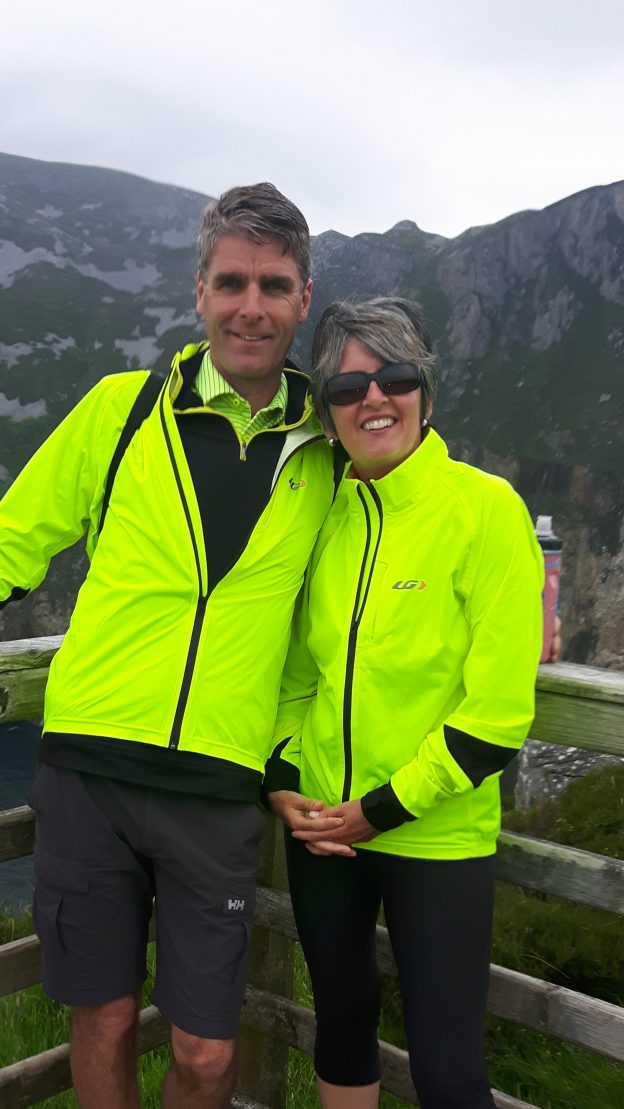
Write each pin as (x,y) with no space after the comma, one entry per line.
(251,301)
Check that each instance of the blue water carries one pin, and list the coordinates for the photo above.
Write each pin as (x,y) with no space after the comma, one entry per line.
(18,752)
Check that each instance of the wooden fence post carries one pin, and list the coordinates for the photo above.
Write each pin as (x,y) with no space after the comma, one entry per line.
(263,1063)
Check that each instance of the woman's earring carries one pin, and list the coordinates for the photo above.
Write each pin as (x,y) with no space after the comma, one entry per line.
(424,423)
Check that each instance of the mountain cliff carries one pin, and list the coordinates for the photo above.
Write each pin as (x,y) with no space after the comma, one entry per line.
(97,273)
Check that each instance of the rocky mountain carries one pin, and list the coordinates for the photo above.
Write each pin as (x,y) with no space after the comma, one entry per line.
(97,273)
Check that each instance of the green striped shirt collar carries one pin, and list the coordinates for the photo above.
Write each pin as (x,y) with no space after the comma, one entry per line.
(221,397)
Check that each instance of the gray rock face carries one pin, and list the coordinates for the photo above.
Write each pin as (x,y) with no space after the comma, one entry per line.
(554,318)
(545,771)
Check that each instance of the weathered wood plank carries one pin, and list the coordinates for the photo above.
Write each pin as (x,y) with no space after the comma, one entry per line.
(20,965)
(579,876)
(24,667)
(593,725)
(572,680)
(31,1080)
(17,833)
(274,910)
(564,1014)
(26,654)
(21,694)
(580,706)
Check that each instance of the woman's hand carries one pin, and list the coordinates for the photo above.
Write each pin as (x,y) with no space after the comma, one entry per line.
(354,828)
(297,812)
(555,646)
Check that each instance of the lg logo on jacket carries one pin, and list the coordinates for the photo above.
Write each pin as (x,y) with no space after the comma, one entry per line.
(409,584)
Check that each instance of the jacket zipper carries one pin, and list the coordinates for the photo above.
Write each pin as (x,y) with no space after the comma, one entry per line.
(361,596)
(200,608)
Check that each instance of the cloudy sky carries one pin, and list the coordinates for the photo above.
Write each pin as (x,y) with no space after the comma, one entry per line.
(450,113)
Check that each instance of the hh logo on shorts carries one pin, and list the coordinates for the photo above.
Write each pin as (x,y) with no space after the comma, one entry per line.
(234,905)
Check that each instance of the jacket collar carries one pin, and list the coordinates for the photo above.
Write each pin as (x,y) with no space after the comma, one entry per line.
(410,480)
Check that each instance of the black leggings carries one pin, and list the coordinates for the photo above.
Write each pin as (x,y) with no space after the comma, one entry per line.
(439,918)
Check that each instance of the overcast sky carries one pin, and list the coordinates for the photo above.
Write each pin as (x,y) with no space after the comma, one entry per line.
(448,113)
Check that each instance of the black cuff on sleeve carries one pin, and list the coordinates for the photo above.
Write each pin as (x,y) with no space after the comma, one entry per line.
(16,595)
(383,810)
(279,774)
(477,758)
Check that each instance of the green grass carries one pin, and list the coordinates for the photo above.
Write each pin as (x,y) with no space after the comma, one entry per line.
(549,1073)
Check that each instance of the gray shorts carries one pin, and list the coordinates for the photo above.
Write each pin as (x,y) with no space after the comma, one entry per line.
(104,850)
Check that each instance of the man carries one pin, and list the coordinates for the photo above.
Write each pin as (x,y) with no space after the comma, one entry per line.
(161,701)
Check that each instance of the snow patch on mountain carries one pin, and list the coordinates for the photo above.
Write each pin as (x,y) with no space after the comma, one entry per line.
(140,352)
(167,319)
(132,278)
(11,354)
(18,412)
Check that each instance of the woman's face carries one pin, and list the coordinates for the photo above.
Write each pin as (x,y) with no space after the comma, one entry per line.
(377,432)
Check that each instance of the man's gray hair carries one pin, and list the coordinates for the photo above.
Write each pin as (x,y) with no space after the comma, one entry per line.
(259,213)
(391,328)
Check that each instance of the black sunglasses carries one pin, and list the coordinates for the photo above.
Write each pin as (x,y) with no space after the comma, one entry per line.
(394,379)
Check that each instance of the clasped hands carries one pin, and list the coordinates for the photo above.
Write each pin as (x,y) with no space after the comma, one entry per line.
(326,831)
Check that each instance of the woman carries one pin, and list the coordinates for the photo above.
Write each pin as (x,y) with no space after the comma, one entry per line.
(409,686)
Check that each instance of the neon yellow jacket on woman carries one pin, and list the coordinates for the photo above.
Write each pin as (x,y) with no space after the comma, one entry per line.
(152,654)
(410,677)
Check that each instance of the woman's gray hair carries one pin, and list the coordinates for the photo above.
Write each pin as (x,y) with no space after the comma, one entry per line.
(259,213)
(391,328)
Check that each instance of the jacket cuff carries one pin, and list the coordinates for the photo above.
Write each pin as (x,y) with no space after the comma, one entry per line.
(279,774)
(476,757)
(383,810)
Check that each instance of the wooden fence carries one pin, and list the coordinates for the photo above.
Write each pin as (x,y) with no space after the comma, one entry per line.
(576,706)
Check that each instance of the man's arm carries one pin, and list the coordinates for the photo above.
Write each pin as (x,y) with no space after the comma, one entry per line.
(53,502)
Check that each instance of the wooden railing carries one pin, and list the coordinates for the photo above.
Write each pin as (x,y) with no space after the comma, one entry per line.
(576,706)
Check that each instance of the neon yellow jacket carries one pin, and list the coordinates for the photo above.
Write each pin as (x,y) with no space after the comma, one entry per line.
(416,640)
(147,656)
